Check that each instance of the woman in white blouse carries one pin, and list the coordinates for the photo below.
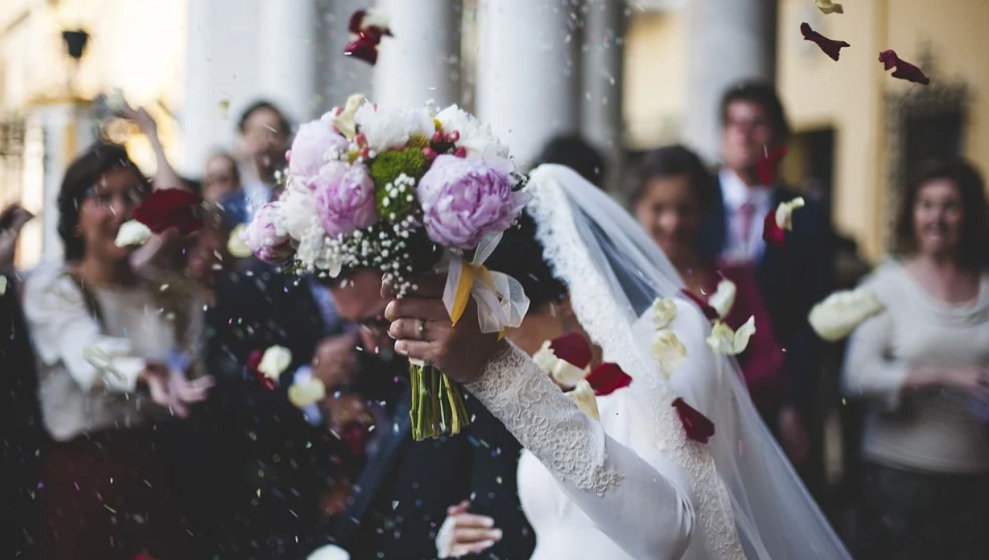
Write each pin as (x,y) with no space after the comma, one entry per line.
(924,363)
(107,368)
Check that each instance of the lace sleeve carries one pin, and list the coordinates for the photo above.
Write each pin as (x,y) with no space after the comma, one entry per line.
(636,503)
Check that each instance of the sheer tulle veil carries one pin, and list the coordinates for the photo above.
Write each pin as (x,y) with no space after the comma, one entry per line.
(748,499)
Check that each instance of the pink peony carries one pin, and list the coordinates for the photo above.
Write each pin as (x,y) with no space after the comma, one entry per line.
(344,197)
(464,199)
(263,237)
(311,144)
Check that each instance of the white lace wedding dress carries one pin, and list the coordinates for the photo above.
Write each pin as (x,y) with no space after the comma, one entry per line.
(632,485)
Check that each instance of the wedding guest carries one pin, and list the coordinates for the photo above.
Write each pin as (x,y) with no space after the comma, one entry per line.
(265,136)
(923,363)
(576,153)
(672,193)
(791,277)
(105,377)
(222,177)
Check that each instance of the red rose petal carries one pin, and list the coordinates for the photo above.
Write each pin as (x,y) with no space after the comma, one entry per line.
(709,312)
(771,232)
(354,24)
(254,360)
(697,426)
(168,208)
(607,378)
(365,47)
(830,47)
(765,168)
(573,348)
(904,70)
(354,435)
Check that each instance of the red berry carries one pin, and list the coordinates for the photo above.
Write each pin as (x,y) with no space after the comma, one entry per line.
(460,152)
(453,136)
(429,153)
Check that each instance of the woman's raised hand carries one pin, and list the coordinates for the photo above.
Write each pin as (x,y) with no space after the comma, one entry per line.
(421,326)
(465,533)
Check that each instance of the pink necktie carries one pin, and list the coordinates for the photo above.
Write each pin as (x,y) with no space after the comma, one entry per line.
(746,211)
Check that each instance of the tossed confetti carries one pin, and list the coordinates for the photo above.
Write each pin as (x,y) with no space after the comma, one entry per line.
(831,47)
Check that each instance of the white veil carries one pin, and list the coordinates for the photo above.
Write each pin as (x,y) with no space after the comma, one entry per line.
(614,272)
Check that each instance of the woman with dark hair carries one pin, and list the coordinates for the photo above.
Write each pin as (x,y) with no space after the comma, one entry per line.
(107,371)
(924,363)
(672,196)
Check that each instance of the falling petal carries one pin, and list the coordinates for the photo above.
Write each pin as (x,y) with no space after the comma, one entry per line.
(583,395)
(697,426)
(607,378)
(664,310)
(168,208)
(723,340)
(723,297)
(838,315)
(830,47)
(668,351)
(767,166)
(904,70)
(829,7)
(132,233)
(307,392)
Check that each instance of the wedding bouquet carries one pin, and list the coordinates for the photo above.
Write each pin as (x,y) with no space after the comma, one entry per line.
(402,192)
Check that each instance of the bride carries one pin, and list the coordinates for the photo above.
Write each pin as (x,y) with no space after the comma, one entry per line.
(631,485)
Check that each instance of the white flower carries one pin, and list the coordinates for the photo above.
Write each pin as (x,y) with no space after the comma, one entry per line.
(306,392)
(329,552)
(297,212)
(723,298)
(345,120)
(387,128)
(784,212)
(664,310)
(829,7)
(562,371)
(275,360)
(838,315)
(668,351)
(583,395)
(3,285)
(236,244)
(723,340)
(475,137)
(132,233)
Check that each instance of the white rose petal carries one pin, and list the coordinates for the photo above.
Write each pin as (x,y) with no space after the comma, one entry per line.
(306,392)
(236,245)
(329,552)
(583,395)
(723,340)
(276,359)
(345,120)
(297,212)
(838,315)
(562,371)
(132,233)
(664,310)
(723,298)
(784,212)
(387,127)
(3,285)
(668,351)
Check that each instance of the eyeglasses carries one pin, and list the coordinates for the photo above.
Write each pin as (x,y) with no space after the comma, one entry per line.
(131,197)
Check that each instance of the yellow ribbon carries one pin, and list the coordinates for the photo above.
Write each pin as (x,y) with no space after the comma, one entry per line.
(468,273)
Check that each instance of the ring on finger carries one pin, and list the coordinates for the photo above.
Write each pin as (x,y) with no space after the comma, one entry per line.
(422,329)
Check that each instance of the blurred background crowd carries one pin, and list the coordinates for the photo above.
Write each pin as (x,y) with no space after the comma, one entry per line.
(668,105)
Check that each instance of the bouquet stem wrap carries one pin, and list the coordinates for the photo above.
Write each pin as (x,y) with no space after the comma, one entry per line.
(437,404)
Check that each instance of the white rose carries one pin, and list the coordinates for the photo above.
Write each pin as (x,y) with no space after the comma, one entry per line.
(583,395)
(784,212)
(723,298)
(668,351)
(475,137)
(345,120)
(297,212)
(664,310)
(3,285)
(838,315)
(329,552)
(132,233)
(306,392)
(275,360)
(236,244)
(723,340)
(562,371)
(386,127)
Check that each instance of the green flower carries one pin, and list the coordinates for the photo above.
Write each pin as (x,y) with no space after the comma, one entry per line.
(395,174)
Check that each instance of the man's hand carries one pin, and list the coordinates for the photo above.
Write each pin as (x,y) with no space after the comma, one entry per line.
(465,533)
(334,362)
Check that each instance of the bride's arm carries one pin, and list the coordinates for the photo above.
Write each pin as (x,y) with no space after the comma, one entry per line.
(642,505)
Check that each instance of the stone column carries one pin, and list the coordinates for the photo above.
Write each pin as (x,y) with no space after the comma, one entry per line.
(421,61)
(287,56)
(601,78)
(339,76)
(527,72)
(727,41)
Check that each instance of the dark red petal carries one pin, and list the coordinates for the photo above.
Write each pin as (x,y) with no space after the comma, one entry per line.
(573,348)
(830,47)
(265,381)
(709,312)
(771,232)
(168,208)
(697,426)
(607,378)
(766,167)
(363,48)
(354,435)
(904,70)
(888,58)
(254,360)
(354,24)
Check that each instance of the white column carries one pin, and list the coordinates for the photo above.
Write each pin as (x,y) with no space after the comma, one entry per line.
(339,76)
(287,56)
(421,62)
(727,41)
(601,79)
(526,83)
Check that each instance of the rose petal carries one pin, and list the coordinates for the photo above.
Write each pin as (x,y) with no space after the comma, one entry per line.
(696,425)
(3,285)
(767,166)
(830,47)
(607,378)
(723,297)
(168,208)
(723,340)
(562,371)
(572,347)
(583,395)
(664,310)
(132,233)
(236,245)
(304,393)
(779,220)
(275,360)
(365,47)
(904,70)
(668,351)
(709,312)
(829,7)
(838,315)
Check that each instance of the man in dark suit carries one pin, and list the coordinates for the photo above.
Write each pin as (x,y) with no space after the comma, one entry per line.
(791,277)
(402,496)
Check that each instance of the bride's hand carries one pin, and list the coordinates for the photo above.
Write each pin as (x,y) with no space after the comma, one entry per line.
(422,329)
(465,533)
